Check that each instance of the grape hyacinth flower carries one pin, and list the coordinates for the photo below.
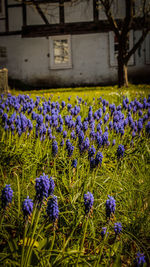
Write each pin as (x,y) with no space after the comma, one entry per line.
(140,259)
(88,202)
(147,128)
(103,232)
(91,151)
(54,148)
(42,186)
(117,228)
(74,163)
(52,209)
(113,142)
(110,206)
(27,206)
(6,197)
(98,159)
(120,151)
(51,186)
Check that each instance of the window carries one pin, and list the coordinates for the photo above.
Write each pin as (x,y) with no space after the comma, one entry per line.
(3,52)
(114,47)
(2,9)
(60,52)
(147,49)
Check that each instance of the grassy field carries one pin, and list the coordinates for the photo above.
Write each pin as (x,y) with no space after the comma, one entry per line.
(82,158)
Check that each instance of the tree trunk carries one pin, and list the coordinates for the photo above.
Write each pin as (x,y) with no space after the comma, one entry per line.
(122,72)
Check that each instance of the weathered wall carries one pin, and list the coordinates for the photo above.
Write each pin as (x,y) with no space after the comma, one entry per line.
(28,59)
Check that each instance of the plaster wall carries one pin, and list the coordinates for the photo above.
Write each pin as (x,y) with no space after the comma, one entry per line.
(28,59)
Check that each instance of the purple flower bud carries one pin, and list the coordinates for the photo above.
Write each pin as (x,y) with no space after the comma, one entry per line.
(88,201)
(117,228)
(120,151)
(140,259)
(27,206)
(110,206)
(6,197)
(42,186)
(52,209)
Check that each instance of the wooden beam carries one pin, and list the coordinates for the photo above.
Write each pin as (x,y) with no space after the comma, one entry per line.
(66,28)
(61,12)
(76,28)
(6,17)
(14,5)
(30,2)
(95,11)
(10,33)
(41,12)
(24,14)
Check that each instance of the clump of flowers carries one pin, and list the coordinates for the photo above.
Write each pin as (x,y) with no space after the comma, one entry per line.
(6,197)
(27,206)
(120,151)
(110,206)
(117,228)
(52,209)
(42,186)
(88,202)
(140,259)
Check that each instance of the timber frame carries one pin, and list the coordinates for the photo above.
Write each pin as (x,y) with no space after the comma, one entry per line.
(60,28)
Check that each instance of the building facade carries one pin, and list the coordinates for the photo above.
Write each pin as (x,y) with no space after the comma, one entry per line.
(57,43)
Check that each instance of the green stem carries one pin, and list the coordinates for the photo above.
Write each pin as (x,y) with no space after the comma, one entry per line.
(30,246)
(24,236)
(52,244)
(101,251)
(83,239)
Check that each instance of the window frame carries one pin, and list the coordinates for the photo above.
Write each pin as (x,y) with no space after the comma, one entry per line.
(147,49)
(112,55)
(58,66)
(2,13)
(3,52)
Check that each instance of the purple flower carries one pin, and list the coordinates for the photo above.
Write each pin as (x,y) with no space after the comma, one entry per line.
(52,209)
(88,201)
(27,206)
(120,151)
(98,159)
(42,186)
(140,259)
(147,128)
(103,232)
(110,206)
(51,186)
(91,151)
(63,104)
(113,142)
(54,148)
(74,163)
(69,147)
(64,134)
(117,228)
(6,197)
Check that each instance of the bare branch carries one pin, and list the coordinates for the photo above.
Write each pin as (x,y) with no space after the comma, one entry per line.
(107,8)
(137,44)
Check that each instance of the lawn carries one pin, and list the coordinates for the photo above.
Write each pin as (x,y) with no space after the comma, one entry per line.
(74,166)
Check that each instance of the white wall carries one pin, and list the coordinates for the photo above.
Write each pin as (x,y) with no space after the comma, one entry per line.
(28,58)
